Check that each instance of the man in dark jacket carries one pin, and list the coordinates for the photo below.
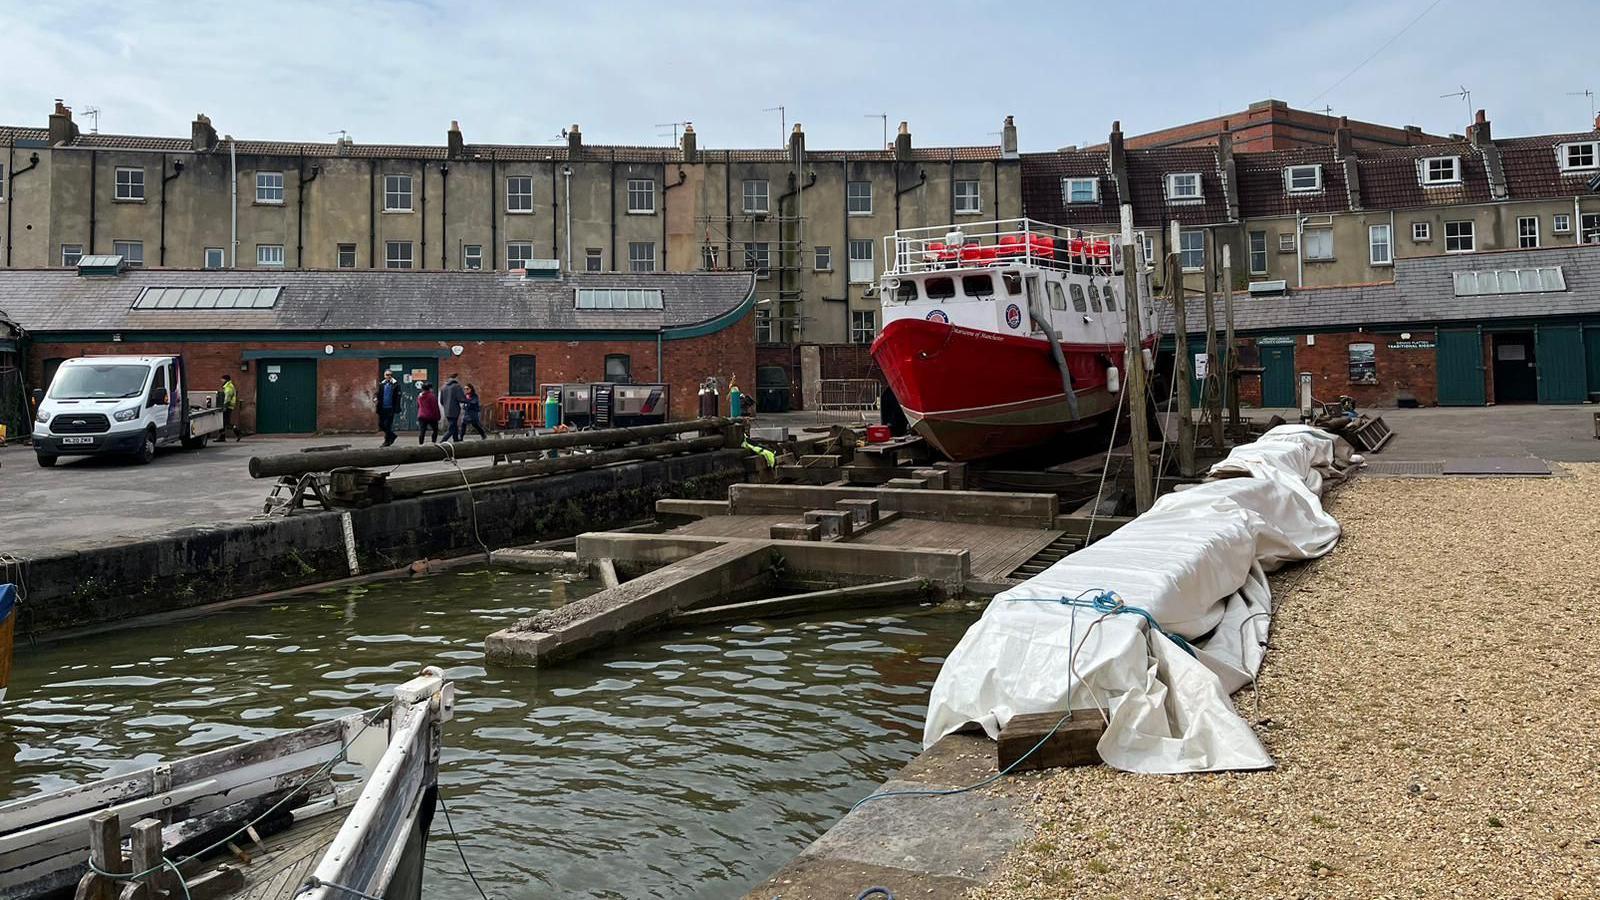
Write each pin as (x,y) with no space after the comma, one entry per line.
(390,398)
(451,397)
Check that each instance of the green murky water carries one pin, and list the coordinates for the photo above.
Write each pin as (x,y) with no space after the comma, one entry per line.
(690,764)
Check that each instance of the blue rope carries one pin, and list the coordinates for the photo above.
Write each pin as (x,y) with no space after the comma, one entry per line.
(1110,603)
(875,892)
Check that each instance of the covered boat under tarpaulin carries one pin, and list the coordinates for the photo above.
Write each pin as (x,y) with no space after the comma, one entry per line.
(1197,563)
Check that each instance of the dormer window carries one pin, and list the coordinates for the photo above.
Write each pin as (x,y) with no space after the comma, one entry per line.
(1440,170)
(1182,186)
(1584,155)
(1080,190)
(1302,179)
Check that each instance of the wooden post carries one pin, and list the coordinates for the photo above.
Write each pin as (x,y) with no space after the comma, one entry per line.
(1209,394)
(147,855)
(1180,357)
(1231,383)
(105,852)
(1133,339)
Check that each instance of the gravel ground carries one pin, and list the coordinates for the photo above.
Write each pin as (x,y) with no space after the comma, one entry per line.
(1431,699)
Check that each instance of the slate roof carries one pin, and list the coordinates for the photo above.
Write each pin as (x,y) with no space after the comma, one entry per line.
(1389,178)
(55,300)
(1422,294)
(1261,185)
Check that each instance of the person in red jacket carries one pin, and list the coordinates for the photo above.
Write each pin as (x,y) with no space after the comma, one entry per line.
(427,413)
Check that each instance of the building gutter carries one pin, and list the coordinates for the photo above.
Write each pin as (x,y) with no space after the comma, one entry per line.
(566,174)
(372,214)
(422,217)
(494,214)
(300,212)
(611,214)
(233,204)
(444,216)
(11,203)
(177,169)
(94,171)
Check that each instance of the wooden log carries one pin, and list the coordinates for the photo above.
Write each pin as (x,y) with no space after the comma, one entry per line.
(795,531)
(376,457)
(222,881)
(413,485)
(1073,744)
(864,596)
(1134,385)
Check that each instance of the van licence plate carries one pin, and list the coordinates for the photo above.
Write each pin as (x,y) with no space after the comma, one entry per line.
(77,440)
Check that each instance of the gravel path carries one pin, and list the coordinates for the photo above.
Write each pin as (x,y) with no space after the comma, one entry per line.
(1431,699)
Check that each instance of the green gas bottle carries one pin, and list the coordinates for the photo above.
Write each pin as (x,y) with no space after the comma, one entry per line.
(552,410)
(735,400)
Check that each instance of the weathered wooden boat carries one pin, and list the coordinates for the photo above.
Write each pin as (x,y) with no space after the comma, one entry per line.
(257,820)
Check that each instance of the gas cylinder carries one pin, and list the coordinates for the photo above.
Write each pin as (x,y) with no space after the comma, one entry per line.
(552,410)
(735,400)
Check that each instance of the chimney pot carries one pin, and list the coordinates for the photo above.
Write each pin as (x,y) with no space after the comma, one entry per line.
(574,140)
(902,142)
(1008,139)
(62,128)
(691,152)
(455,144)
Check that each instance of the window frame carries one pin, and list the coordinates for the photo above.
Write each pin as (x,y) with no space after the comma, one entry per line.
(1524,233)
(390,259)
(76,253)
(1251,252)
(392,188)
(1565,152)
(338,256)
(1289,173)
(853,198)
(758,258)
(636,261)
(1589,228)
(858,264)
(627,368)
(1471,236)
(1183,252)
(1373,244)
(822,258)
(511,369)
(1070,182)
(751,198)
(131,183)
(265,252)
(515,199)
(1315,234)
(1174,196)
(117,248)
(594,259)
(645,189)
(1557,226)
(863,333)
(975,196)
(1425,171)
(205,258)
(520,246)
(469,254)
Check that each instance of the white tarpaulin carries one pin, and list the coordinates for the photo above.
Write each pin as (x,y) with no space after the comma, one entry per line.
(1197,563)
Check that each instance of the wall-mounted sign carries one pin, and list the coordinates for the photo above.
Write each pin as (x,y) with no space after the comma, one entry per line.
(1410,345)
(1275,340)
(1201,363)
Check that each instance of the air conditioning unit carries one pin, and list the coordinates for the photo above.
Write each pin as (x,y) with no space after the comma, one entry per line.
(1268,288)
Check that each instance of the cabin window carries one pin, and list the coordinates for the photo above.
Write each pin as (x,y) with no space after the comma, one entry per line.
(977,285)
(940,288)
(1094,298)
(906,292)
(1111,298)
(1013,282)
(1058,300)
(1078,304)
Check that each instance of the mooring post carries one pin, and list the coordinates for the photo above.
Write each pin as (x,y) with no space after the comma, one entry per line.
(1180,356)
(1133,341)
(145,845)
(1213,372)
(105,854)
(1231,383)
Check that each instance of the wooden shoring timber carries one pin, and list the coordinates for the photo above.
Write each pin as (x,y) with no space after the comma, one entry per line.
(1073,743)
(884,593)
(413,485)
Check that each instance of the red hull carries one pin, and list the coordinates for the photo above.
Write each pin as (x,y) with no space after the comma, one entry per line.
(976,393)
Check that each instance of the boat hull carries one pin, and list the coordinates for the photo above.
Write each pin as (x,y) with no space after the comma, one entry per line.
(974,394)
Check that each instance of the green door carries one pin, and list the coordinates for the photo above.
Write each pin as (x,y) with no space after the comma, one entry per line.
(1460,355)
(286,396)
(1277,375)
(1558,353)
(1591,354)
(410,372)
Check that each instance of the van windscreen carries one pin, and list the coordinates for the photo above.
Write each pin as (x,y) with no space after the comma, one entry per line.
(105,382)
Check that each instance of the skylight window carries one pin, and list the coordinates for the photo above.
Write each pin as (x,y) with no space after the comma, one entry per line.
(208,298)
(619,298)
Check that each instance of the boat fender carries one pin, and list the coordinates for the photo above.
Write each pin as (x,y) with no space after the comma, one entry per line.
(1113,380)
(1149,360)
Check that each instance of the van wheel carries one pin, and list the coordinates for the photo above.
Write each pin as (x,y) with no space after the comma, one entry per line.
(147,450)
(195,443)
(46,460)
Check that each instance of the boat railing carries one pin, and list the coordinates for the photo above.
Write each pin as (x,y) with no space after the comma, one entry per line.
(1003,242)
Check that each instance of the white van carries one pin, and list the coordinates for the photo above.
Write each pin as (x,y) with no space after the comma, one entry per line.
(121,404)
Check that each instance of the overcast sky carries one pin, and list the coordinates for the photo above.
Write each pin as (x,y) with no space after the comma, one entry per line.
(398,72)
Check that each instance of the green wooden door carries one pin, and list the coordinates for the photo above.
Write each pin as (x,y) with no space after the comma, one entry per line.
(286,396)
(410,372)
(1277,375)
(1460,360)
(1559,355)
(1591,354)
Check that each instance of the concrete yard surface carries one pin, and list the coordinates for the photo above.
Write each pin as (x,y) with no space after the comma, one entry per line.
(1430,701)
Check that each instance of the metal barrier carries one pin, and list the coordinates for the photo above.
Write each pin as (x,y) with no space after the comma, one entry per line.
(1026,242)
(531,407)
(849,394)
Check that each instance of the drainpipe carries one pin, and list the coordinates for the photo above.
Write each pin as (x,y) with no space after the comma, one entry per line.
(683,178)
(94,173)
(795,190)
(233,203)
(727,206)
(33,161)
(566,174)
(660,375)
(612,213)
(300,212)
(922,179)
(555,216)
(422,217)
(177,169)
(444,216)
(494,214)
(372,213)
(1299,252)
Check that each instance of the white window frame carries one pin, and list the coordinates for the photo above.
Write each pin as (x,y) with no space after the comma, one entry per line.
(1069,184)
(1291,173)
(862,268)
(969,197)
(1185,252)
(594,259)
(74,251)
(129,189)
(1427,177)
(757,196)
(522,250)
(1533,280)
(1251,251)
(1421,231)
(1565,153)
(398,187)
(1470,236)
(338,256)
(1528,227)
(472,257)
(1147,246)
(125,249)
(1561,223)
(1589,228)
(863,326)
(758,258)
(857,203)
(638,261)
(641,196)
(519,202)
(1386,258)
(822,258)
(1287,242)
(269,256)
(2,184)
(1311,243)
(1174,195)
(221,257)
(268,193)
(391,259)
(764,326)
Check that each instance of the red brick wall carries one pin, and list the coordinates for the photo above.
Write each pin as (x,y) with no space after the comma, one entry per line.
(1414,371)
(345,384)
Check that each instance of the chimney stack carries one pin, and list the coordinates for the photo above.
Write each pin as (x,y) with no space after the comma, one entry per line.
(62,128)
(574,141)
(202,137)
(1343,144)
(1008,139)
(797,146)
(902,143)
(1478,131)
(344,144)
(691,152)
(454,143)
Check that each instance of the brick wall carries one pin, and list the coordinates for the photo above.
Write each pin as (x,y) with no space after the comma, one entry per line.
(345,383)
(1400,369)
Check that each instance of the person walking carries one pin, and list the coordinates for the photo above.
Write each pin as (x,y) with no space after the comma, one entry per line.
(450,402)
(230,406)
(471,414)
(390,398)
(427,413)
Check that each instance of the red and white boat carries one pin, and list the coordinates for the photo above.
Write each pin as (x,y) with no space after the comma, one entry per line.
(974,316)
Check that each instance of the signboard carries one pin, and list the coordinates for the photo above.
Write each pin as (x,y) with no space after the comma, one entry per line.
(418,375)
(1013,315)
(1410,345)
(1276,340)
(1201,363)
